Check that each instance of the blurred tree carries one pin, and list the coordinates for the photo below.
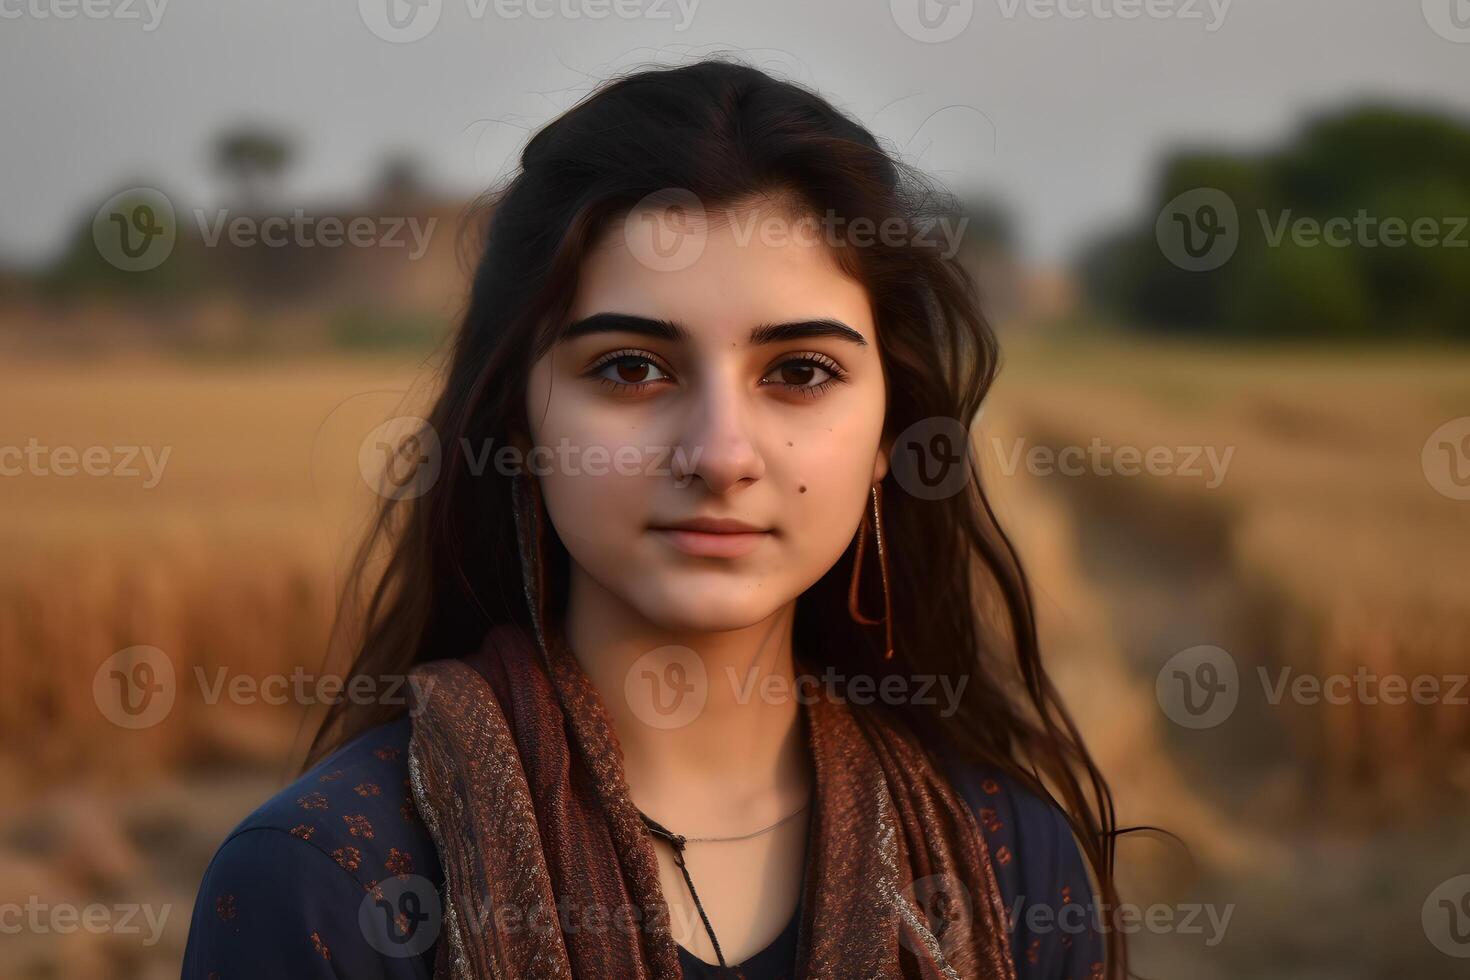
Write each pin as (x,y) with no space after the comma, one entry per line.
(1327,245)
(86,269)
(253,159)
(400,178)
(989,223)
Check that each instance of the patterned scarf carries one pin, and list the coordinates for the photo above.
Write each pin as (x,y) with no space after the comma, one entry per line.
(550,873)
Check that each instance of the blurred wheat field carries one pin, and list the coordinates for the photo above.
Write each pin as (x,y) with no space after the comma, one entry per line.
(231,560)
(1324,543)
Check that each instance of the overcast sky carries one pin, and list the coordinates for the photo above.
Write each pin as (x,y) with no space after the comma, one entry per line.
(1060,107)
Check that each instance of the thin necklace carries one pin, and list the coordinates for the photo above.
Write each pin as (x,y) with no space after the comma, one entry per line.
(678,841)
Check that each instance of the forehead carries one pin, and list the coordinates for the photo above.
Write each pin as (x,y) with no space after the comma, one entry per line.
(732,270)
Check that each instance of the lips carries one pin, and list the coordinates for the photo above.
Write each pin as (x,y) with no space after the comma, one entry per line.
(712,537)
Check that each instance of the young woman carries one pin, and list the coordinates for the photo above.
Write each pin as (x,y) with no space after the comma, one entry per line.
(714,670)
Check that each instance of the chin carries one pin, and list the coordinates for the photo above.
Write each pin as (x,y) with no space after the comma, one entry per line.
(713,606)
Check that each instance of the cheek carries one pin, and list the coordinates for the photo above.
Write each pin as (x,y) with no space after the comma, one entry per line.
(593,470)
(591,513)
(837,478)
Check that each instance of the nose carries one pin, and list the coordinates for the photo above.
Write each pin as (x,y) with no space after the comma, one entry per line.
(717,443)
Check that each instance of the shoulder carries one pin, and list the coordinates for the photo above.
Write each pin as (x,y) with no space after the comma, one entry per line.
(291,883)
(1051,908)
(355,806)
(1031,844)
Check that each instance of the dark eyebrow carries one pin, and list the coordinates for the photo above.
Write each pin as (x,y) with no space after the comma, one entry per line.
(770,333)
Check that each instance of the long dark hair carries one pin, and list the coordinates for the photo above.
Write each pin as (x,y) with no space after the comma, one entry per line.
(726,132)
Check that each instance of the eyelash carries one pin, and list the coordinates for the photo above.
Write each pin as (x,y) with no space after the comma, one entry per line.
(838,375)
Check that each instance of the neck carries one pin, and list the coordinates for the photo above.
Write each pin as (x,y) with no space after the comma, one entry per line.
(699,715)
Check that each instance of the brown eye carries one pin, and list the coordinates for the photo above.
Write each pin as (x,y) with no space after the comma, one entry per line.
(629,369)
(804,373)
(632,372)
(797,373)
(809,375)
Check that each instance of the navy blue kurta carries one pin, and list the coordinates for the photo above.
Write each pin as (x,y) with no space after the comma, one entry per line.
(328,878)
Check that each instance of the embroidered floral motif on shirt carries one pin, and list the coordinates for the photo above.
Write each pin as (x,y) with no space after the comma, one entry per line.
(224,907)
(359,826)
(399,862)
(312,801)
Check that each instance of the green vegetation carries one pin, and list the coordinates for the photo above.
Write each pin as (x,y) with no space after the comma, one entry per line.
(1358,227)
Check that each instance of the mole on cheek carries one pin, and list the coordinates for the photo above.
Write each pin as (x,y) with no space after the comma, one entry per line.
(802,488)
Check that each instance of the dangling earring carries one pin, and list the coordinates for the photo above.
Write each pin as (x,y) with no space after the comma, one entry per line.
(530,522)
(857,569)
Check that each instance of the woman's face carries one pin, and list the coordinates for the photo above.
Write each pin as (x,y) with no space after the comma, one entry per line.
(744,386)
